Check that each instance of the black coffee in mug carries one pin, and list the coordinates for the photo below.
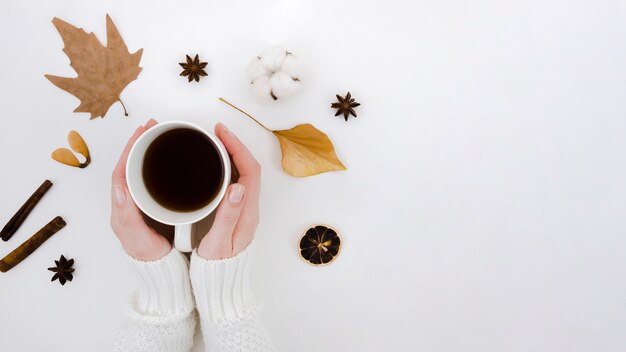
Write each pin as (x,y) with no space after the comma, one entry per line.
(183,170)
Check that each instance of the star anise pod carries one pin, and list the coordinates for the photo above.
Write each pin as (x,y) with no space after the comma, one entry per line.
(63,271)
(345,106)
(193,69)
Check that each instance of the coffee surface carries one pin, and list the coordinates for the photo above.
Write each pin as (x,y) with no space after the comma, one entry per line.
(182,170)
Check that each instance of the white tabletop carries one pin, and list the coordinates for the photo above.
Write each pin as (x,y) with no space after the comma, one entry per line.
(483,206)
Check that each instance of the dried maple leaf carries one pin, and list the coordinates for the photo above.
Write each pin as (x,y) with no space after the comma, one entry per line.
(306,150)
(103,72)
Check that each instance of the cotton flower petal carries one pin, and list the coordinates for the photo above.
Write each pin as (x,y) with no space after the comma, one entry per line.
(273,58)
(292,66)
(256,69)
(261,87)
(283,85)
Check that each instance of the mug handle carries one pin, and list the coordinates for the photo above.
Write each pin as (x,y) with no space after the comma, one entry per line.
(182,238)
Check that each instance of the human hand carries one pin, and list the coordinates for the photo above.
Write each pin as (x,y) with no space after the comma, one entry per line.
(238,214)
(137,238)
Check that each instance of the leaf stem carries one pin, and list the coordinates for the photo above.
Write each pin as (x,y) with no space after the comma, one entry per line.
(245,113)
(124,106)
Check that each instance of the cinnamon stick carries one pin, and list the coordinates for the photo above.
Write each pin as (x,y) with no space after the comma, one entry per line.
(16,221)
(31,244)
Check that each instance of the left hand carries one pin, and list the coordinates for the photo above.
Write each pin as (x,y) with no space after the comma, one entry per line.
(238,214)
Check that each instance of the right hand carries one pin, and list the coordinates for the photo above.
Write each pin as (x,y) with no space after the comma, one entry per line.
(138,239)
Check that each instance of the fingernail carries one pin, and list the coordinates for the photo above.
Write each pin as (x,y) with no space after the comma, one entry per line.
(236,193)
(225,128)
(119,195)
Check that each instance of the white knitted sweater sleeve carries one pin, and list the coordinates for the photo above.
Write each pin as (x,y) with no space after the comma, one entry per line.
(227,308)
(160,315)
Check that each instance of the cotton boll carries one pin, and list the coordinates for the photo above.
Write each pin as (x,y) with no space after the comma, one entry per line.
(273,58)
(274,74)
(256,69)
(283,84)
(261,87)
(292,66)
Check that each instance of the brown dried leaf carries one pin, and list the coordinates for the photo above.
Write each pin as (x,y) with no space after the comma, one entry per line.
(65,156)
(78,144)
(103,72)
(307,151)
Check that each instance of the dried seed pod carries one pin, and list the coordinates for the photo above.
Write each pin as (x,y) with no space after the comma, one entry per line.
(345,105)
(78,144)
(193,68)
(62,270)
(65,156)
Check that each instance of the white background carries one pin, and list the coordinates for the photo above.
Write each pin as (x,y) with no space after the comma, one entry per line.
(483,206)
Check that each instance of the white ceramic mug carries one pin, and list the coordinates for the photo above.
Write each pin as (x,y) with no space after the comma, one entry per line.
(181,220)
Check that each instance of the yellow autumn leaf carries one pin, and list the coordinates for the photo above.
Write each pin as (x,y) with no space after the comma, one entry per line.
(307,151)
(65,156)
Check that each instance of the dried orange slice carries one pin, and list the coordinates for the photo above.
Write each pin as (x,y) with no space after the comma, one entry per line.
(320,245)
